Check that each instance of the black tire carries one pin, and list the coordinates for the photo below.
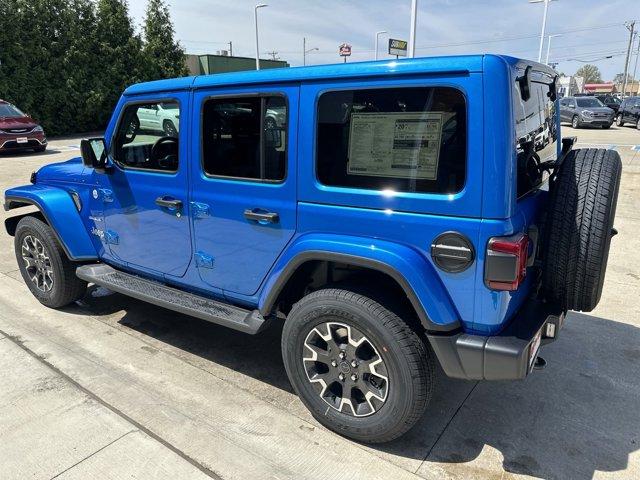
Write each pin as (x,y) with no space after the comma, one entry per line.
(406,359)
(606,126)
(619,121)
(40,149)
(575,122)
(638,124)
(65,287)
(580,226)
(170,129)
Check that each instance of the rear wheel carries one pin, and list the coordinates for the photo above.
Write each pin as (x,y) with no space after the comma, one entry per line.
(169,129)
(44,265)
(356,365)
(579,227)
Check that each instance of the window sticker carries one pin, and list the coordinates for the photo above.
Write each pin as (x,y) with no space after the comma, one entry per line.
(398,144)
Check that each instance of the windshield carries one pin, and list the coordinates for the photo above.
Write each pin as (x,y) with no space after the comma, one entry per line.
(589,102)
(7,110)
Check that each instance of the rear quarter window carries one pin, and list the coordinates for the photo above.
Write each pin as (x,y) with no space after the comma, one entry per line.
(410,139)
(536,132)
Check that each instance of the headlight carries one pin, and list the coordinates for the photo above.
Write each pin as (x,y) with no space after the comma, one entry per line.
(587,113)
(38,129)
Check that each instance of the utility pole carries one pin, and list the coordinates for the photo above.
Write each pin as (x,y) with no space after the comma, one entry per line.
(635,69)
(274,55)
(412,31)
(631,27)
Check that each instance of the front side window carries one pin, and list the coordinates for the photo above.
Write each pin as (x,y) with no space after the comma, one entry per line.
(147,136)
(245,137)
(410,139)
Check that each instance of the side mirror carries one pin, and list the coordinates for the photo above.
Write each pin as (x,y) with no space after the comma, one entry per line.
(94,153)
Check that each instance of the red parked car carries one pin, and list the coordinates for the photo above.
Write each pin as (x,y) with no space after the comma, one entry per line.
(19,131)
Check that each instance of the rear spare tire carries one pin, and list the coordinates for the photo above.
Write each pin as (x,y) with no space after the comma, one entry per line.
(579,227)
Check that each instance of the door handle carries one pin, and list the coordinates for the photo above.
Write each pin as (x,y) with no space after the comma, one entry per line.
(169,202)
(261,216)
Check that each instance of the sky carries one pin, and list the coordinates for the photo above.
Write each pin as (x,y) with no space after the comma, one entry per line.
(590,29)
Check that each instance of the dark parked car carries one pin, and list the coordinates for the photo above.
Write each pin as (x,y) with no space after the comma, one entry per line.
(629,112)
(609,101)
(582,111)
(19,131)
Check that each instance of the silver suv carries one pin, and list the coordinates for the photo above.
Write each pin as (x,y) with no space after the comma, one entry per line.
(582,111)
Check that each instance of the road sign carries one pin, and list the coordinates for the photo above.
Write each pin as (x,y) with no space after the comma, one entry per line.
(397,47)
(345,50)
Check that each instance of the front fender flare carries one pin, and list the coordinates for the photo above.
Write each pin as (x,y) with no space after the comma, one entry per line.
(408,267)
(57,207)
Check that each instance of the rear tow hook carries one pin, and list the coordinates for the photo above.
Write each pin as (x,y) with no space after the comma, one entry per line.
(539,364)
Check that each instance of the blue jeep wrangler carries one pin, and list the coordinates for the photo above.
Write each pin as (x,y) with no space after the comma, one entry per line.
(395,215)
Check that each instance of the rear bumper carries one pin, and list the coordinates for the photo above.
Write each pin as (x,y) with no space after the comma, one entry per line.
(506,356)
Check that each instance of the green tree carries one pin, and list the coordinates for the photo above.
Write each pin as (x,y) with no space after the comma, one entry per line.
(163,55)
(119,50)
(591,73)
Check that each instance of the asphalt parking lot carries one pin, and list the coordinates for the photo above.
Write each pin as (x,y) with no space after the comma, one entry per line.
(114,388)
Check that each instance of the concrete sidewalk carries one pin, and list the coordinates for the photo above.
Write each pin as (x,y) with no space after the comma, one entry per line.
(52,428)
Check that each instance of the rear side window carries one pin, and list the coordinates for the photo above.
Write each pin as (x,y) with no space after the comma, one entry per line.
(245,137)
(536,131)
(400,139)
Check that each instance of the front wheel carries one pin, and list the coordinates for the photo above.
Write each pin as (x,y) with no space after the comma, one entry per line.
(575,122)
(44,265)
(356,365)
(619,121)
(608,125)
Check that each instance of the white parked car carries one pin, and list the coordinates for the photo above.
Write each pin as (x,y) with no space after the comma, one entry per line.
(160,117)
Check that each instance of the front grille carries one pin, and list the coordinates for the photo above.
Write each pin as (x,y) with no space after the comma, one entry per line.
(17,130)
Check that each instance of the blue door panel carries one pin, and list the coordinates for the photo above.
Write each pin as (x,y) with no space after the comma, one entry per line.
(242,251)
(140,233)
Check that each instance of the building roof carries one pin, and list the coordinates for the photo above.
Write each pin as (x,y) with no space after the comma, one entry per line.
(462,64)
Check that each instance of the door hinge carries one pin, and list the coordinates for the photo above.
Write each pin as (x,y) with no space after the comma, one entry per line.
(199,210)
(203,260)
(111,237)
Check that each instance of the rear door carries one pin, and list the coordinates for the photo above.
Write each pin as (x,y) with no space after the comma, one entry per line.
(243,183)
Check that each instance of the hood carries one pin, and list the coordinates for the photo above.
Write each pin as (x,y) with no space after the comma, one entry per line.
(597,109)
(17,122)
(68,172)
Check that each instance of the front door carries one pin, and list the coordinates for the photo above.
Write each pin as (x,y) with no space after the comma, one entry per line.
(244,188)
(145,193)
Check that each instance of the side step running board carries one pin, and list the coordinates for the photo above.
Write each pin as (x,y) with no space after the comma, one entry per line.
(172,298)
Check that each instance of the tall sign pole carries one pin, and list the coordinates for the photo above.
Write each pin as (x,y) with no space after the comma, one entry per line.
(412,32)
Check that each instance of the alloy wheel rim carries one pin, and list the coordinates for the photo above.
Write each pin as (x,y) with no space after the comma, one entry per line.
(345,369)
(37,263)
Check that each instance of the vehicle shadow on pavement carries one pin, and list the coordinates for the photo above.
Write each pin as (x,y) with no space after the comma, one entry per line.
(576,417)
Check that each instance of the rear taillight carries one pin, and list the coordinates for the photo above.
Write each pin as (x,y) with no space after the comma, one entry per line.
(506,262)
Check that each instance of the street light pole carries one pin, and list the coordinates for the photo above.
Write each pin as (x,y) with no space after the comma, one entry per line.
(305,51)
(549,45)
(255,17)
(544,24)
(376,47)
(635,69)
(412,32)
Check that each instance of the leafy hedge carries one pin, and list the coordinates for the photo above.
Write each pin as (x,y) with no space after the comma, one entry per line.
(66,62)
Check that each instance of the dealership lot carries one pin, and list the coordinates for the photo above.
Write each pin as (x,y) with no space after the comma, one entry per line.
(151,394)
